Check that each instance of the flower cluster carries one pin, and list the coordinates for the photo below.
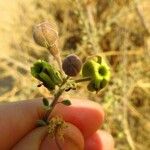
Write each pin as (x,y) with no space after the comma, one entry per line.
(95,71)
(45,34)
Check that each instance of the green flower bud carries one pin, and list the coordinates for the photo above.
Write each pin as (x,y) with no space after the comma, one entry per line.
(72,65)
(46,73)
(99,72)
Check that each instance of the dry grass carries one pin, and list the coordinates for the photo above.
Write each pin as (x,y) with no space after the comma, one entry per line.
(116,29)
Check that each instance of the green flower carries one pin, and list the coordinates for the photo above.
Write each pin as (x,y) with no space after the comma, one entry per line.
(46,73)
(99,72)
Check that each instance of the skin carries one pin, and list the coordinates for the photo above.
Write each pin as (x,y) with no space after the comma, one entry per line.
(18,126)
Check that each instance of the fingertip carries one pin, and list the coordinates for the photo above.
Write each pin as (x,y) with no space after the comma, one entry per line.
(106,140)
(18,119)
(100,140)
(72,140)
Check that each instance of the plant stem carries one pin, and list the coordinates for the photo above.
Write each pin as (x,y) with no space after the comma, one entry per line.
(59,93)
(83,80)
(56,97)
(64,81)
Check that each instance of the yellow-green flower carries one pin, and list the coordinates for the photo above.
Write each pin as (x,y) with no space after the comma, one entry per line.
(99,72)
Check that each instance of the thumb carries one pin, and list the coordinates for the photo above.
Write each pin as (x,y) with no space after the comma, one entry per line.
(38,139)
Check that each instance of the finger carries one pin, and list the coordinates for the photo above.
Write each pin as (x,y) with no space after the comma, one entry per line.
(73,140)
(33,140)
(100,140)
(84,114)
(17,119)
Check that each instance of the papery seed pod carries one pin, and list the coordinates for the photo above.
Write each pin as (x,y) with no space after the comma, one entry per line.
(45,34)
(72,65)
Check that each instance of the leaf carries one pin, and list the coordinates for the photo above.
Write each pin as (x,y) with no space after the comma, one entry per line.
(66,102)
(45,102)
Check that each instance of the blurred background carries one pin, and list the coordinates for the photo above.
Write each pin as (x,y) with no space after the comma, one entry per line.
(118,30)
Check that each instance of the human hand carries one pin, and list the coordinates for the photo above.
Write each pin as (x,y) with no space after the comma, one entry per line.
(18,130)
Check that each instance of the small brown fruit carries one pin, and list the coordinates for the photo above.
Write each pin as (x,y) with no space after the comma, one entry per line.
(72,65)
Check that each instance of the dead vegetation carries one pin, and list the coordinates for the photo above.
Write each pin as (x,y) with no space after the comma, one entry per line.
(116,29)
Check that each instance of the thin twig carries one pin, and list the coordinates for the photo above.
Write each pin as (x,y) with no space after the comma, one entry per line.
(113,53)
(56,97)
(138,11)
(83,79)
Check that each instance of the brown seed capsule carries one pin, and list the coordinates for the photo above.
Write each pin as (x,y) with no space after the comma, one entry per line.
(72,65)
(45,34)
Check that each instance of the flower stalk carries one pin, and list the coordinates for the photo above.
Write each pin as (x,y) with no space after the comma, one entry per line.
(83,80)
(56,97)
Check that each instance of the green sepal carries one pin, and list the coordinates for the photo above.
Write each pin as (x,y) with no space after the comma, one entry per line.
(47,81)
(103,83)
(36,69)
(91,87)
(53,73)
(89,68)
(46,73)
